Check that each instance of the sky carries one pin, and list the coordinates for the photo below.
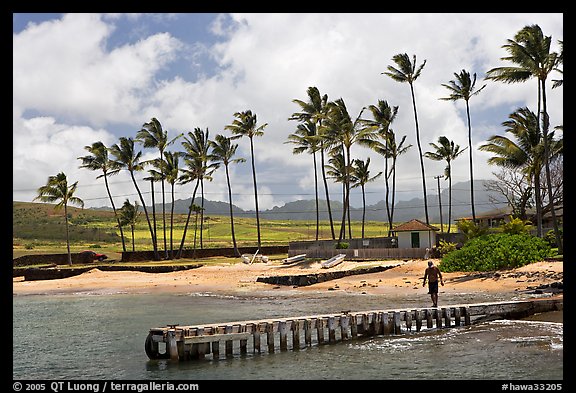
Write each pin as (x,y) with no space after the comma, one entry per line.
(80,78)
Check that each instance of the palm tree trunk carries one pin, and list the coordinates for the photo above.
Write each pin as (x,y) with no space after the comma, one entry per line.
(164,218)
(420,154)
(201,212)
(547,166)
(152,233)
(236,252)
(326,190)
(393,197)
(172,225)
(133,246)
(154,212)
(316,193)
(115,212)
(179,255)
(67,234)
(449,200)
(255,192)
(471,166)
(363,210)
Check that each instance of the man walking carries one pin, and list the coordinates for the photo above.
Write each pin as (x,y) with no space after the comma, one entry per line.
(432,273)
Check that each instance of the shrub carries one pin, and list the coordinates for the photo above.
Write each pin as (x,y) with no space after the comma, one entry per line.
(342,245)
(496,251)
(445,247)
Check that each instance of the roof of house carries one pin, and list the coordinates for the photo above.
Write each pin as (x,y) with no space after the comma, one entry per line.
(415,225)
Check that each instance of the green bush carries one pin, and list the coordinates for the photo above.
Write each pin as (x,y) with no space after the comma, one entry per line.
(445,247)
(342,246)
(496,251)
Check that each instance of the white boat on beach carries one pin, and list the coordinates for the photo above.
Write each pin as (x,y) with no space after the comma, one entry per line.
(335,260)
(294,259)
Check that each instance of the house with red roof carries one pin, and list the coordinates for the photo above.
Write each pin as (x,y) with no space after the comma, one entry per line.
(416,234)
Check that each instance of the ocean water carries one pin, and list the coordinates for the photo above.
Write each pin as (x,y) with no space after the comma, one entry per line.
(100,336)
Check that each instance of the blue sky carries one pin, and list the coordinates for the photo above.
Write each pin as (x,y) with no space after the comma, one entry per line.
(82,78)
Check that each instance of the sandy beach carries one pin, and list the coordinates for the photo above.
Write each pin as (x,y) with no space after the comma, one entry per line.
(240,278)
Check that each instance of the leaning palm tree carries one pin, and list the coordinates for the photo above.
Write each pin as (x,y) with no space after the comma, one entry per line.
(223,151)
(523,151)
(57,189)
(316,110)
(463,88)
(530,51)
(126,157)
(448,151)
(98,161)
(153,136)
(305,140)
(246,124)
(361,176)
(193,171)
(129,215)
(408,72)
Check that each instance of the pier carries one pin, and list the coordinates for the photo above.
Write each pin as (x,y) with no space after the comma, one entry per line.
(212,341)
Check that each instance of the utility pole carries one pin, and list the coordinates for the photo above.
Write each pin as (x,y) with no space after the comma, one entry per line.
(440,202)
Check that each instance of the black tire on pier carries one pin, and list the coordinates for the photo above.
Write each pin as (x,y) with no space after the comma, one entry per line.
(152,350)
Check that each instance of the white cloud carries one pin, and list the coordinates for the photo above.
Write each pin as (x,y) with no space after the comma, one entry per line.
(65,71)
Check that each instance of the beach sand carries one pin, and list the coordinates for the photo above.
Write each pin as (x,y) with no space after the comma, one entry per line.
(236,278)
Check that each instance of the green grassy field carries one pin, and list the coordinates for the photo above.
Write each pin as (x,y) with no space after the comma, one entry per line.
(39,229)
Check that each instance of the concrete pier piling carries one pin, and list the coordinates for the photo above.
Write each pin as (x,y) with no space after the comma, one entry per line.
(230,339)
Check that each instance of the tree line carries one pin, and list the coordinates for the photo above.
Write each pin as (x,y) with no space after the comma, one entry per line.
(327,131)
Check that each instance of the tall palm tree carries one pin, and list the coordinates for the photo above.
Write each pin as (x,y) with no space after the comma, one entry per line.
(342,132)
(530,51)
(305,140)
(524,152)
(57,190)
(383,115)
(446,150)
(193,172)
(223,151)
(126,157)
(129,215)
(152,135)
(171,171)
(246,124)
(98,160)
(463,88)
(197,151)
(407,72)
(361,176)
(391,150)
(316,110)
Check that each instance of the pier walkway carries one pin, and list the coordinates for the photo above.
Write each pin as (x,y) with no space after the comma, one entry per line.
(280,334)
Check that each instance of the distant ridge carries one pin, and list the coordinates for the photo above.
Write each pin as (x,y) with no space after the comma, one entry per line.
(484,201)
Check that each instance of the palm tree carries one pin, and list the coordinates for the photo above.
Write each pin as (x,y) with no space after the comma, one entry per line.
(391,149)
(463,88)
(57,189)
(316,110)
(128,158)
(197,145)
(98,161)
(223,151)
(341,132)
(171,171)
(530,51)
(306,141)
(408,72)
(448,151)
(246,125)
(153,136)
(336,170)
(523,153)
(193,172)
(383,115)
(361,176)
(129,215)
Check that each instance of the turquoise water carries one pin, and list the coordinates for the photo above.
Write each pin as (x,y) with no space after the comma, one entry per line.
(90,336)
